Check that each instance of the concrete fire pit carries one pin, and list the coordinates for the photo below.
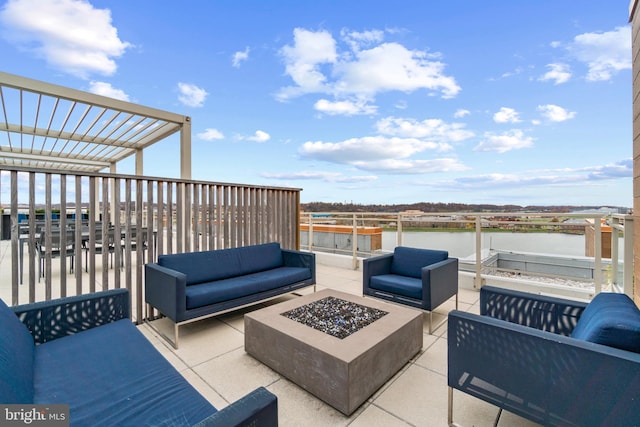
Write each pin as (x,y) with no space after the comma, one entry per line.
(342,372)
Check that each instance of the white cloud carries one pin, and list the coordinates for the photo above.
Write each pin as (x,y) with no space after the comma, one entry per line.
(460,113)
(70,35)
(555,113)
(558,73)
(259,136)
(303,60)
(392,67)
(240,57)
(548,177)
(105,89)
(408,166)
(357,40)
(506,115)
(347,108)
(434,129)
(365,148)
(505,141)
(336,177)
(604,53)
(317,65)
(210,134)
(191,95)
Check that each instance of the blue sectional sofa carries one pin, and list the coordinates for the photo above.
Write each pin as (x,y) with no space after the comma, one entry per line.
(554,361)
(85,352)
(191,286)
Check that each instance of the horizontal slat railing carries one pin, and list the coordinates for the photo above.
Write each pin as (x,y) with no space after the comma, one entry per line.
(146,216)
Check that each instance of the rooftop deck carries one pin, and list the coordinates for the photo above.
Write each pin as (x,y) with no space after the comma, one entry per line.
(212,358)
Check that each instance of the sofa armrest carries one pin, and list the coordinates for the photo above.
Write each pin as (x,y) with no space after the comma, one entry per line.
(546,313)
(258,408)
(548,378)
(443,282)
(293,258)
(165,289)
(57,318)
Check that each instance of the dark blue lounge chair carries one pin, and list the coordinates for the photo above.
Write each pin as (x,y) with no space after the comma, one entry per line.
(419,278)
(553,361)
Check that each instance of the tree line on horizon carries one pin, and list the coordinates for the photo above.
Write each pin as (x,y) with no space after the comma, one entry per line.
(430,207)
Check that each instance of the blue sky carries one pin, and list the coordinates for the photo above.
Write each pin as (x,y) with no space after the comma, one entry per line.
(502,102)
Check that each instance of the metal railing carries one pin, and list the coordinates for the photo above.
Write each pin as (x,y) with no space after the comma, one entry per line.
(175,215)
(354,227)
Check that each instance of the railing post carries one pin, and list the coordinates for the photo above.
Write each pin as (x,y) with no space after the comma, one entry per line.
(615,231)
(310,234)
(399,230)
(354,242)
(627,272)
(597,265)
(478,278)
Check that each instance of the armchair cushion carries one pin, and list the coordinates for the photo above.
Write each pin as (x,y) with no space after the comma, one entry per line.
(409,261)
(16,358)
(395,284)
(610,319)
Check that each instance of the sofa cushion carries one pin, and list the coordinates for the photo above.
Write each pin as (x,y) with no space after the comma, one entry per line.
(409,261)
(16,358)
(237,287)
(610,319)
(112,375)
(207,266)
(395,284)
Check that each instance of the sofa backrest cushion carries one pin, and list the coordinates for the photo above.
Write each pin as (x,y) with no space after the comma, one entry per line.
(610,319)
(409,261)
(16,358)
(207,266)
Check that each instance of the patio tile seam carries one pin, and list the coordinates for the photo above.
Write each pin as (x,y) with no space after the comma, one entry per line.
(387,412)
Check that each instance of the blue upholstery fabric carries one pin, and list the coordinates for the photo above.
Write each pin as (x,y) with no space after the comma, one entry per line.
(235,287)
(207,266)
(409,261)
(402,285)
(16,358)
(118,379)
(610,319)
(260,257)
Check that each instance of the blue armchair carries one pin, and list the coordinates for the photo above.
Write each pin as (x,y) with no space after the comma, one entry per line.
(420,278)
(547,359)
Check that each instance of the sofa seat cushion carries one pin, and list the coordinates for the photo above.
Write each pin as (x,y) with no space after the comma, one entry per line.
(237,287)
(112,376)
(610,319)
(395,284)
(410,261)
(207,266)
(16,358)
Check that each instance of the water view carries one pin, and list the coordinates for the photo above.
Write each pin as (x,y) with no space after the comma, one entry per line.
(462,244)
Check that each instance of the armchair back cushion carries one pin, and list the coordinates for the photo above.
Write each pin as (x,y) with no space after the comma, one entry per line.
(409,261)
(16,358)
(208,266)
(610,319)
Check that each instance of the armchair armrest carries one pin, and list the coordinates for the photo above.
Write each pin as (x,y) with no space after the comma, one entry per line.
(546,313)
(445,275)
(293,258)
(258,408)
(48,320)
(548,378)
(165,289)
(376,266)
